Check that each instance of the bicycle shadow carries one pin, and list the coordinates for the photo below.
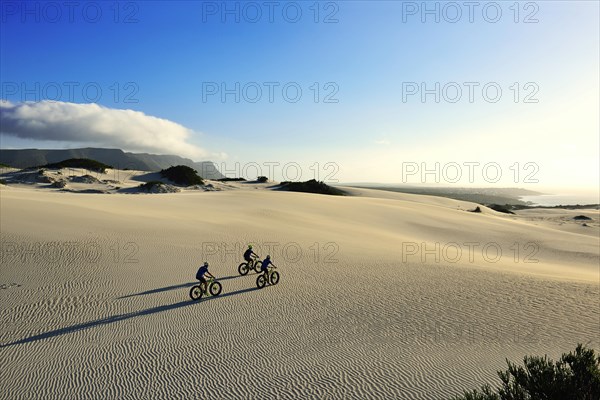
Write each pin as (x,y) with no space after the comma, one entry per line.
(158,290)
(121,317)
(226,278)
(241,291)
(173,287)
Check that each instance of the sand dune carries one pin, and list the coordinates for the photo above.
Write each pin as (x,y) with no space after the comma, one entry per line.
(374,301)
(79,180)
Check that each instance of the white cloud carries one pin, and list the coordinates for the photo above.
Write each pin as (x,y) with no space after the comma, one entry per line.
(96,125)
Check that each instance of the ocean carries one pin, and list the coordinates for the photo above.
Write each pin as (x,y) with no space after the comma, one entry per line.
(561,199)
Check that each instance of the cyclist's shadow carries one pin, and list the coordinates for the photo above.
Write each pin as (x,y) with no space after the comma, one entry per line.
(226,278)
(121,317)
(174,287)
(227,294)
(158,290)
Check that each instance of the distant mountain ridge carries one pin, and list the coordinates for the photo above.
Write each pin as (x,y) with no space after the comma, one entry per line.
(26,158)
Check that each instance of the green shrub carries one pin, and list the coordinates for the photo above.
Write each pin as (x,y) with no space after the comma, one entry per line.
(231,180)
(2,181)
(311,186)
(576,376)
(262,179)
(84,163)
(503,209)
(182,175)
(485,394)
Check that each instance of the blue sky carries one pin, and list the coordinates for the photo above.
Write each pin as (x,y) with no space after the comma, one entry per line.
(366,56)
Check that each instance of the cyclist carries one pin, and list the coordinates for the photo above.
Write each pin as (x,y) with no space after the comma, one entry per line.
(265,265)
(248,254)
(202,271)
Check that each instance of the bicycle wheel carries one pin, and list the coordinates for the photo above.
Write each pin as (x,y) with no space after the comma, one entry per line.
(274,278)
(261,281)
(257,265)
(243,268)
(215,288)
(196,292)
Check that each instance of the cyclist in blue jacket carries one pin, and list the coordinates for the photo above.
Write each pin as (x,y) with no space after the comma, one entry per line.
(249,253)
(202,271)
(265,265)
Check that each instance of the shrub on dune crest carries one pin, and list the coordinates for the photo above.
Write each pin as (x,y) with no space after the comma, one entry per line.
(311,186)
(576,376)
(182,175)
(500,208)
(231,180)
(83,163)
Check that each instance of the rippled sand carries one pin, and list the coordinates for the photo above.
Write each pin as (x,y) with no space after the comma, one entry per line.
(94,295)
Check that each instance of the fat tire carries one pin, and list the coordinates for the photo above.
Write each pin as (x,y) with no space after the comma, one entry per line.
(274,278)
(261,281)
(243,268)
(257,266)
(215,288)
(196,292)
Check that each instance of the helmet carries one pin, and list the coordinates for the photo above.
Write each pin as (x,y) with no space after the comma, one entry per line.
(249,246)
(268,257)
(205,263)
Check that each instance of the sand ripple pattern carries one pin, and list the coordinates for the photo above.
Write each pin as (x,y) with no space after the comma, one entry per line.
(398,331)
(101,310)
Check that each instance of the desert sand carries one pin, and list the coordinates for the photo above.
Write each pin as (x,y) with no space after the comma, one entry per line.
(382,295)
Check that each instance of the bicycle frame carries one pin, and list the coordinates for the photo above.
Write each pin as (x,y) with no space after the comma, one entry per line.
(206,285)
